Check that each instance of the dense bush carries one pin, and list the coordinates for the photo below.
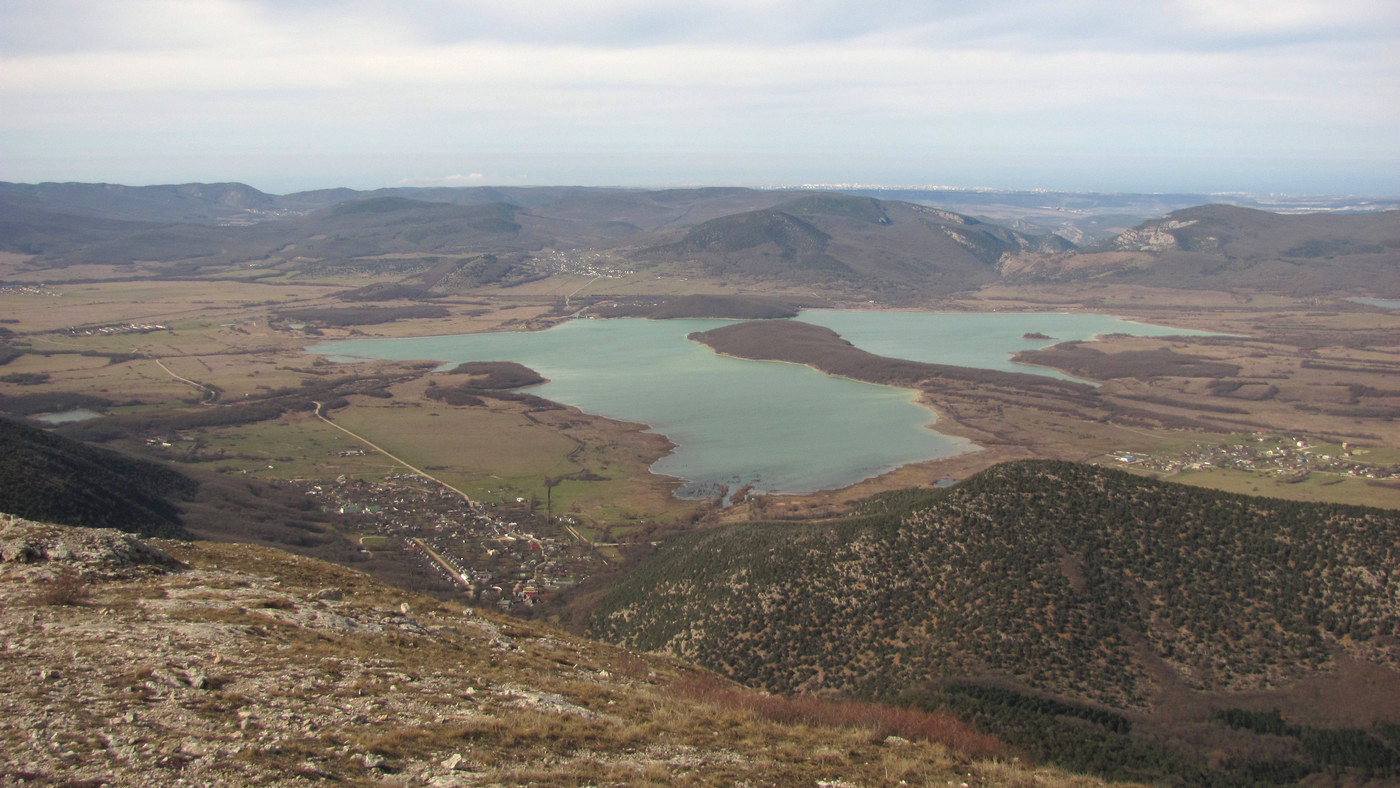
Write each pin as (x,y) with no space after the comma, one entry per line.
(1051,573)
(49,402)
(498,374)
(363,316)
(49,478)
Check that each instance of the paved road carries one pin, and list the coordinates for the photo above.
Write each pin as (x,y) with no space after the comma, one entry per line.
(451,572)
(209,394)
(382,451)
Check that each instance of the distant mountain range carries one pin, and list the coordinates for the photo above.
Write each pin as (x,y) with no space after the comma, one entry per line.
(881,248)
(1228,247)
(1089,217)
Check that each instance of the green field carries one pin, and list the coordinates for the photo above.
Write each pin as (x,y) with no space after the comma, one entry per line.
(1318,486)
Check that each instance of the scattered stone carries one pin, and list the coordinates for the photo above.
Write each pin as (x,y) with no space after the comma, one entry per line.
(309,769)
(457,763)
(168,677)
(293,698)
(100,549)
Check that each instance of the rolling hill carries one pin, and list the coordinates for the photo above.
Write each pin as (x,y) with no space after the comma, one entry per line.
(1225,247)
(190,202)
(856,240)
(887,250)
(1086,582)
(48,477)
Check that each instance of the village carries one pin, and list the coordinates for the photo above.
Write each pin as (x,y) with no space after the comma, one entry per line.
(1291,457)
(580,263)
(117,329)
(40,289)
(509,558)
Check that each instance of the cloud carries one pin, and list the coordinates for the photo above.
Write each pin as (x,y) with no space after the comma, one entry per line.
(448,81)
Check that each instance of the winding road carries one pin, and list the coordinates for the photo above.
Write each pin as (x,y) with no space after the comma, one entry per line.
(210,394)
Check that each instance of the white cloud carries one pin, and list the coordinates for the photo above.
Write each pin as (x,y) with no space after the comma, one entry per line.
(815,81)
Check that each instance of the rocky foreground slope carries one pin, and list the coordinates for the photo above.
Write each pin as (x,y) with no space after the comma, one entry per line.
(131,664)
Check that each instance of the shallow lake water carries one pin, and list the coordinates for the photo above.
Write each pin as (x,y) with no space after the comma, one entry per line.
(1385,303)
(64,417)
(783,428)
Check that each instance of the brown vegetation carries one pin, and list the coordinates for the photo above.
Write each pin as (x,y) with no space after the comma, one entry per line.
(723,306)
(362,316)
(250,666)
(879,720)
(1079,359)
(498,374)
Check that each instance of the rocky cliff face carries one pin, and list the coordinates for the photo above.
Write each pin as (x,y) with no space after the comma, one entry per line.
(131,664)
(1151,237)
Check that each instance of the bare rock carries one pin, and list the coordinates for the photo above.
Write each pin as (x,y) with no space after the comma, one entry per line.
(456,763)
(372,761)
(104,550)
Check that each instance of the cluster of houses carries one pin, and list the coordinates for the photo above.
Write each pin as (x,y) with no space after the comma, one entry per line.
(39,290)
(1287,456)
(117,329)
(506,558)
(579,263)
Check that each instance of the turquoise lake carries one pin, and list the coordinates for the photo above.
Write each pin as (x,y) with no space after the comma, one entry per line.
(784,428)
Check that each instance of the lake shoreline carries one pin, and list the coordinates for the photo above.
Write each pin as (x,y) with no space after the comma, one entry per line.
(782,433)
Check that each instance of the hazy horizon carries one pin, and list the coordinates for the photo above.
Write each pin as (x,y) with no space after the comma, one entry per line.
(1169,96)
(1282,197)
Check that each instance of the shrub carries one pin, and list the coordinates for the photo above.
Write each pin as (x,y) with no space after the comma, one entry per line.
(67,589)
(879,719)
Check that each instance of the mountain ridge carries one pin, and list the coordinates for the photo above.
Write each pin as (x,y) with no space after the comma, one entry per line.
(1226,247)
(886,249)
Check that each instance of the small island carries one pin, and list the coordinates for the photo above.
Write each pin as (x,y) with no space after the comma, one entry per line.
(1035,335)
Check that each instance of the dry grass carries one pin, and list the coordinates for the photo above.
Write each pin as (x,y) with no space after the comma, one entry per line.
(878,720)
(367,708)
(1014,775)
(68,589)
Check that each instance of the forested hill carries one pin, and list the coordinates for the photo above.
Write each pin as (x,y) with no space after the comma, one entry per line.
(1078,580)
(47,477)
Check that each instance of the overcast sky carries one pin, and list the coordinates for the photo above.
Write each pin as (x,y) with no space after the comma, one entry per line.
(1298,96)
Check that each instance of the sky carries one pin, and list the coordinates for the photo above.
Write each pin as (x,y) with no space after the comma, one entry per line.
(1260,96)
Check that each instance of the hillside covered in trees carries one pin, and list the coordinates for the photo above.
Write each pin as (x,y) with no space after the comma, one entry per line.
(1077,580)
(46,476)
